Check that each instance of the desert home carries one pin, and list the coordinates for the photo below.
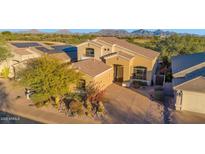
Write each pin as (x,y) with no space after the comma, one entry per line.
(128,61)
(189,82)
(23,51)
(103,60)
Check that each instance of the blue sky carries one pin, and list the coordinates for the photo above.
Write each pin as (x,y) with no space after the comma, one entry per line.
(191,31)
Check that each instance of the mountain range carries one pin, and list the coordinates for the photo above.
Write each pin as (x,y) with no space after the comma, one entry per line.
(113,32)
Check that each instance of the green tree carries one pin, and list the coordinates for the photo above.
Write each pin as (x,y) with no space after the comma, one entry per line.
(6,33)
(50,79)
(177,45)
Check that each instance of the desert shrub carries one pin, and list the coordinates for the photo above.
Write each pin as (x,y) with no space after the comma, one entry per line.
(100,107)
(5,72)
(76,107)
(94,92)
(89,108)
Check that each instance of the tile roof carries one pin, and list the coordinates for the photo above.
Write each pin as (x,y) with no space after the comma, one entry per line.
(109,55)
(123,54)
(70,51)
(136,49)
(183,62)
(189,76)
(46,50)
(91,67)
(60,56)
(21,52)
(196,84)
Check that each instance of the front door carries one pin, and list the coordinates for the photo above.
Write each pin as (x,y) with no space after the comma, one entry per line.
(118,73)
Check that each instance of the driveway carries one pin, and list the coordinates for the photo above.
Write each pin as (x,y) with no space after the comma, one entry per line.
(126,106)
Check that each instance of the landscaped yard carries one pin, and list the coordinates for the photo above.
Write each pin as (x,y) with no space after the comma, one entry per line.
(122,106)
(13,100)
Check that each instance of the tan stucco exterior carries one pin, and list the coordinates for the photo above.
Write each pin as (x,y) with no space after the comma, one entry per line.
(120,61)
(82,50)
(102,80)
(102,48)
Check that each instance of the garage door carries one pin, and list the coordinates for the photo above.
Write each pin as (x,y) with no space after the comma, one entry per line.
(193,101)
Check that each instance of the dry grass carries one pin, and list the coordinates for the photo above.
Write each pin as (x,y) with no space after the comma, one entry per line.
(142,41)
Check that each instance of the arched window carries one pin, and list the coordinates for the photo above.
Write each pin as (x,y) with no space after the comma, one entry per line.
(140,72)
(90,52)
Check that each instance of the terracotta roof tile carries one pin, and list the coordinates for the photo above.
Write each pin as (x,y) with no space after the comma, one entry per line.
(60,56)
(136,49)
(123,54)
(21,52)
(92,67)
(197,85)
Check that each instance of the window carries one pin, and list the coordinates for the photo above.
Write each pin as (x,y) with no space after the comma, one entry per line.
(82,84)
(140,73)
(90,52)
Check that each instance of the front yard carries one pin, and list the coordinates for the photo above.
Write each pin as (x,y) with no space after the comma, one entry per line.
(122,105)
(13,100)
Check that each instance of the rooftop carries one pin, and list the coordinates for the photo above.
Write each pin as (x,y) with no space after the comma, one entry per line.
(25,44)
(91,67)
(46,50)
(60,56)
(196,85)
(61,47)
(22,52)
(135,48)
(190,76)
(183,62)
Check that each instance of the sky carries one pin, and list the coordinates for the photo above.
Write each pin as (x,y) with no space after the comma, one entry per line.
(190,31)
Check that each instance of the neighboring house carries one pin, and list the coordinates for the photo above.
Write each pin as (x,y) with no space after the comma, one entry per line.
(25,50)
(60,55)
(20,52)
(70,50)
(129,61)
(95,71)
(189,82)
(38,48)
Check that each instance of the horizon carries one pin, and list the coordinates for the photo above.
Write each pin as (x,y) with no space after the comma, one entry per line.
(189,31)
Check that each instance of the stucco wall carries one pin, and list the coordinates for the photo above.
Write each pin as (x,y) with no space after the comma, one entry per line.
(138,60)
(102,80)
(120,61)
(82,50)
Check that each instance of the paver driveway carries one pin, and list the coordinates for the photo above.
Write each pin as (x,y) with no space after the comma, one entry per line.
(126,106)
